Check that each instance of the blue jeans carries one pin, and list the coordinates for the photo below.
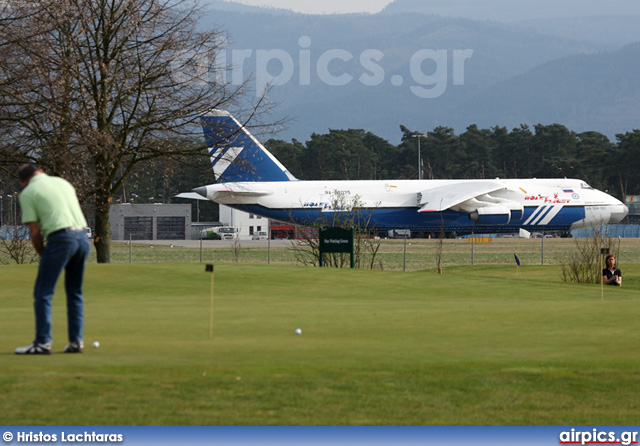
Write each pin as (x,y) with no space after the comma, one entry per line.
(66,250)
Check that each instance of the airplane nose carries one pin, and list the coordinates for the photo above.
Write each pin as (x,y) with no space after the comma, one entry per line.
(618,213)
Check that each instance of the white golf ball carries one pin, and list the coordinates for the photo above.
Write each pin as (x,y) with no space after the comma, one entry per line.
(96,344)
(298,331)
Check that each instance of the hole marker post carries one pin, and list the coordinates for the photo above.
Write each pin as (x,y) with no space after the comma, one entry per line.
(209,268)
(603,253)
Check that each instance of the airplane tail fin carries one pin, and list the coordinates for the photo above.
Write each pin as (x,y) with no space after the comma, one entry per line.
(236,156)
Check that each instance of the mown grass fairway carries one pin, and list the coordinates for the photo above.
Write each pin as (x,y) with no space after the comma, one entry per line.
(477,345)
(419,254)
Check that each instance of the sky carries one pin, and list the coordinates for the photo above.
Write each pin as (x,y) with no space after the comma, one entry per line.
(322,6)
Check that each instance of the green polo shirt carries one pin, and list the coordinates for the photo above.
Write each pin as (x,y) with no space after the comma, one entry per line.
(52,203)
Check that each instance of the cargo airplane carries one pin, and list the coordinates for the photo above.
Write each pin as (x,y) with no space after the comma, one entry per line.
(251,179)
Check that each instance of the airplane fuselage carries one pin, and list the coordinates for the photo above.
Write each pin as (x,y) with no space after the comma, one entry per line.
(251,179)
(532,204)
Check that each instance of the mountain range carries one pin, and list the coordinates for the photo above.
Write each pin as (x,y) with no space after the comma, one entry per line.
(509,10)
(428,63)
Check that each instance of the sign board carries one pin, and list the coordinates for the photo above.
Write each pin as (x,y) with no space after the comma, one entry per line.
(479,239)
(336,240)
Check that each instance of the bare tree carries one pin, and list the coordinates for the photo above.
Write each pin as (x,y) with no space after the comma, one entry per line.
(15,246)
(236,246)
(585,264)
(345,211)
(110,84)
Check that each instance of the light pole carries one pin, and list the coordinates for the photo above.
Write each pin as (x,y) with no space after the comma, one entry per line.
(10,207)
(15,208)
(1,212)
(419,136)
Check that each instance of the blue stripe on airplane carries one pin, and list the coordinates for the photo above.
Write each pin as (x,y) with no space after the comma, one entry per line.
(409,218)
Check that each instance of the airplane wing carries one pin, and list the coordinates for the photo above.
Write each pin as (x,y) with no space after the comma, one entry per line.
(191,196)
(218,191)
(244,193)
(444,197)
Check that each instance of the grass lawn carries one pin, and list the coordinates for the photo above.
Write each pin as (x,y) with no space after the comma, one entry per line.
(481,345)
(392,255)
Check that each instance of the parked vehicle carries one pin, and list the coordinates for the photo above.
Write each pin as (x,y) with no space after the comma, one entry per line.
(399,233)
(220,233)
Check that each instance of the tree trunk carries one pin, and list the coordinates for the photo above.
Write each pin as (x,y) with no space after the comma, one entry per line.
(623,188)
(102,240)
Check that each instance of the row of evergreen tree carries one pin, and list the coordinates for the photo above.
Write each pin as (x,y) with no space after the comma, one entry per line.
(544,151)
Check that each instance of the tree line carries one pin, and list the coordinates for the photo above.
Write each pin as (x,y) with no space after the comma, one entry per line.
(544,151)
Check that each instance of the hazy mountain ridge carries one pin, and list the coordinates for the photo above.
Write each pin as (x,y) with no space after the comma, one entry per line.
(510,10)
(608,30)
(584,92)
(230,6)
(536,55)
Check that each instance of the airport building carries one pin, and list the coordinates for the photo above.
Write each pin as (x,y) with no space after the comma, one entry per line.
(633,203)
(255,227)
(248,226)
(134,221)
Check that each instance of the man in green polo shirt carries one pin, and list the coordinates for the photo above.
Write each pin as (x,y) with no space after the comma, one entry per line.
(51,210)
